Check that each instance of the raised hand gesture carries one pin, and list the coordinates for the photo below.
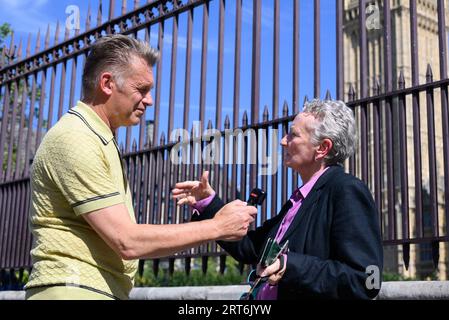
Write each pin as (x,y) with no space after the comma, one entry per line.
(190,192)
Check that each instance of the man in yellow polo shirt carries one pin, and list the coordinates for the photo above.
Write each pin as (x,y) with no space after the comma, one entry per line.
(86,240)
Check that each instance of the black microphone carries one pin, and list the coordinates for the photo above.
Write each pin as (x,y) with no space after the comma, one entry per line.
(256,197)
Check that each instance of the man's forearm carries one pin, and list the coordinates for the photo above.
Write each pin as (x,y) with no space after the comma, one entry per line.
(133,241)
(155,241)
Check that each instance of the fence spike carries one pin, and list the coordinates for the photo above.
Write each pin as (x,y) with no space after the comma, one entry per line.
(209,125)
(2,58)
(28,51)
(89,17)
(376,89)
(77,31)
(11,44)
(123,7)
(265,113)
(429,73)
(285,109)
(147,35)
(245,119)
(19,51)
(328,95)
(12,48)
(122,148)
(47,38)
(306,99)
(111,9)
(227,123)
(401,81)
(99,14)
(66,34)
(406,254)
(134,145)
(351,94)
(57,32)
(38,42)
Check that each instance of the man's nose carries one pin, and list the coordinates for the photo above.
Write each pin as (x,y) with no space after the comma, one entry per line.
(148,99)
(284,141)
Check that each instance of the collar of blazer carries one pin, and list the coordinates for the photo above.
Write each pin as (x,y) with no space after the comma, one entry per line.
(327,176)
(312,197)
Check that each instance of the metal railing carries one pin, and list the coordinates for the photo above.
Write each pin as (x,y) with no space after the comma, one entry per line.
(387,138)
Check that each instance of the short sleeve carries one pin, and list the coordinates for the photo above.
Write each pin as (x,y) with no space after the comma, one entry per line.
(80,170)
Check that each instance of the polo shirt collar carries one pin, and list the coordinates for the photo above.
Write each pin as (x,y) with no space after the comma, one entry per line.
(93,122)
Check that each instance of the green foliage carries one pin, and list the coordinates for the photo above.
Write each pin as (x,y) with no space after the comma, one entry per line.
(179,278)
(5,30)
(388,276)
(433,276)
(5,156)
(25,276)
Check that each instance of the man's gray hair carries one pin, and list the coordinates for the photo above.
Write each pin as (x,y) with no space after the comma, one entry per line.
(335,121)
(115,54)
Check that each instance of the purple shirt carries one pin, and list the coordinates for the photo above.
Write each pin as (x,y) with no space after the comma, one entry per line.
(267,291)
(199,206)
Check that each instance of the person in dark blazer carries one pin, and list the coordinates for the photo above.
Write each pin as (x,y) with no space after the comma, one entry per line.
(330,222)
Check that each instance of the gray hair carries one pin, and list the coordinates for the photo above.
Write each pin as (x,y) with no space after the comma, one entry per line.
(335,121)
(114,53)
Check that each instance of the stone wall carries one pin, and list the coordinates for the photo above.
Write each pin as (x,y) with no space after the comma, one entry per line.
(397,290)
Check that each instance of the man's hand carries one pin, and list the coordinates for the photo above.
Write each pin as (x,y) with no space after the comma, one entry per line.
(190,192)
(273,272)
(233,220)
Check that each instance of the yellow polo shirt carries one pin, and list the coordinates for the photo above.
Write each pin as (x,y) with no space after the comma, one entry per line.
(77,169)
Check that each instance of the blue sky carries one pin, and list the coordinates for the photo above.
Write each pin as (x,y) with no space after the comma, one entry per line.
(27,16)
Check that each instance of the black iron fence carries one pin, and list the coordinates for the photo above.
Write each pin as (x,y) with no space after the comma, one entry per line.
(411,196)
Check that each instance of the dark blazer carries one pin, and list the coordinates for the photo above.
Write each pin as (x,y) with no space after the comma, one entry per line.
(333,238)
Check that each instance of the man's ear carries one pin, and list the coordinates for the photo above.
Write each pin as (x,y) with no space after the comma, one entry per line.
(106,83)
(323,149)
